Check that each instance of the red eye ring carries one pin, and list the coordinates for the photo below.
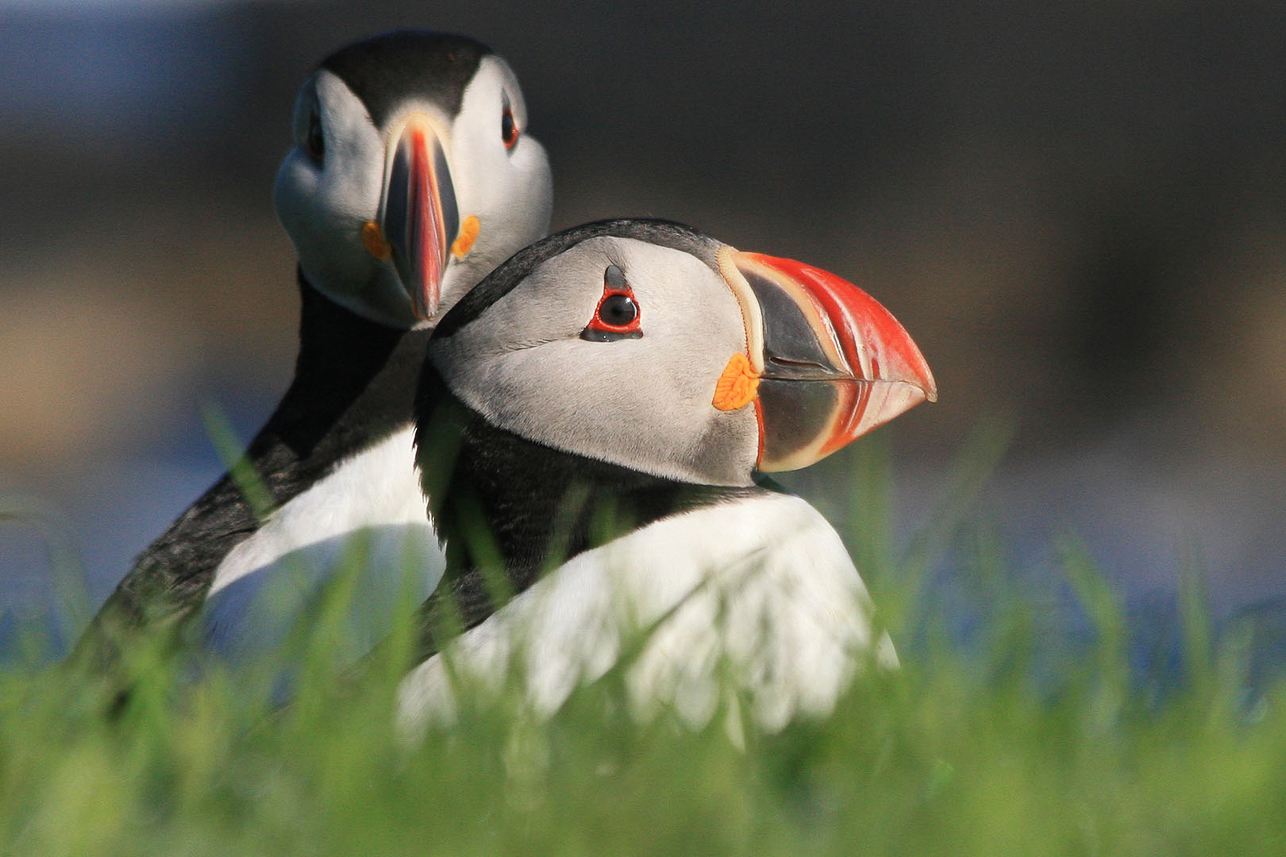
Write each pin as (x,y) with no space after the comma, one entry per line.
(618,314)
(508,128)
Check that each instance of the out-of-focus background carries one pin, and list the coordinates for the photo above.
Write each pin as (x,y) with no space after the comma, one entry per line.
(1077,209)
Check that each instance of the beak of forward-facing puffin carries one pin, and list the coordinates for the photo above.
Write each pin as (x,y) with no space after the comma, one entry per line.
(420,227)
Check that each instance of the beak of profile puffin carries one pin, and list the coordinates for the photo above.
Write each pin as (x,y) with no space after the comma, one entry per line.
(419,219)
(827,363)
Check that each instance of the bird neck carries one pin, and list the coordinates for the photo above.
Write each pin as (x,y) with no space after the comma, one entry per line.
(338,345)
(354,380)
(523,508)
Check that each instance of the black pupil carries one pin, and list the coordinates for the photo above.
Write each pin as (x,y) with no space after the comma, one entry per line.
(507,126)
(618,310)
(316,143)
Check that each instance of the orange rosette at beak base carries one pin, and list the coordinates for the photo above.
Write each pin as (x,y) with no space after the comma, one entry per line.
(737,385)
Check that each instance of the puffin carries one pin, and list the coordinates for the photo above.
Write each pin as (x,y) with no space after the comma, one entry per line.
(411,177)
(594,426)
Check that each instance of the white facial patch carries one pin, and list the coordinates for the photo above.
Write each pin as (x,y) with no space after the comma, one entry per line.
(510,191)
(323,206)
(642,403)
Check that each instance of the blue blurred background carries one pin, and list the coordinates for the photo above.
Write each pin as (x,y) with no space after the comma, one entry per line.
(1077,209)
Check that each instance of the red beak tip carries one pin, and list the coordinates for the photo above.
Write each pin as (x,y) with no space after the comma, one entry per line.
(925,382)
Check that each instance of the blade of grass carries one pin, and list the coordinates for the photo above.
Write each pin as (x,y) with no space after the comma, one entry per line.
(233,455)
(870,507)
(974,466)
(1194,610)
(72,608)
(1106,615)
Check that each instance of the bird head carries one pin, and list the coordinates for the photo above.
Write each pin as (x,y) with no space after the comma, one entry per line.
(649,345)
(411,176)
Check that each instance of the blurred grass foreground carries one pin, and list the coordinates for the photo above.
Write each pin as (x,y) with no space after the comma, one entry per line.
(1002,744)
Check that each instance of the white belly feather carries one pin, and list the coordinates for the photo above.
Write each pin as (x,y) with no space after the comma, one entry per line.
(763,587)
(369,515)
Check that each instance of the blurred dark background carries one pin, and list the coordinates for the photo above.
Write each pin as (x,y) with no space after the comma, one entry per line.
(1077,209)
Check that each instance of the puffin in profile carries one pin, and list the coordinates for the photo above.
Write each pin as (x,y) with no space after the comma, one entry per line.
(592,421)
(411,177)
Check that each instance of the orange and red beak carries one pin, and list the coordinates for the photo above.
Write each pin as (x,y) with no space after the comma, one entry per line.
(419,218)
(830,362)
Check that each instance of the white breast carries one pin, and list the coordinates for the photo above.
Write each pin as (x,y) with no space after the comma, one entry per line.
(762,590)
(368,516)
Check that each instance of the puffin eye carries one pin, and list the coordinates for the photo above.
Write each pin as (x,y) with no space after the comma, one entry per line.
(617,314)
(508,127)
(314,140)
(618,310)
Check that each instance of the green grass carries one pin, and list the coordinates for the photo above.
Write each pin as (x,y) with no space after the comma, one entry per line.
(954,753)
